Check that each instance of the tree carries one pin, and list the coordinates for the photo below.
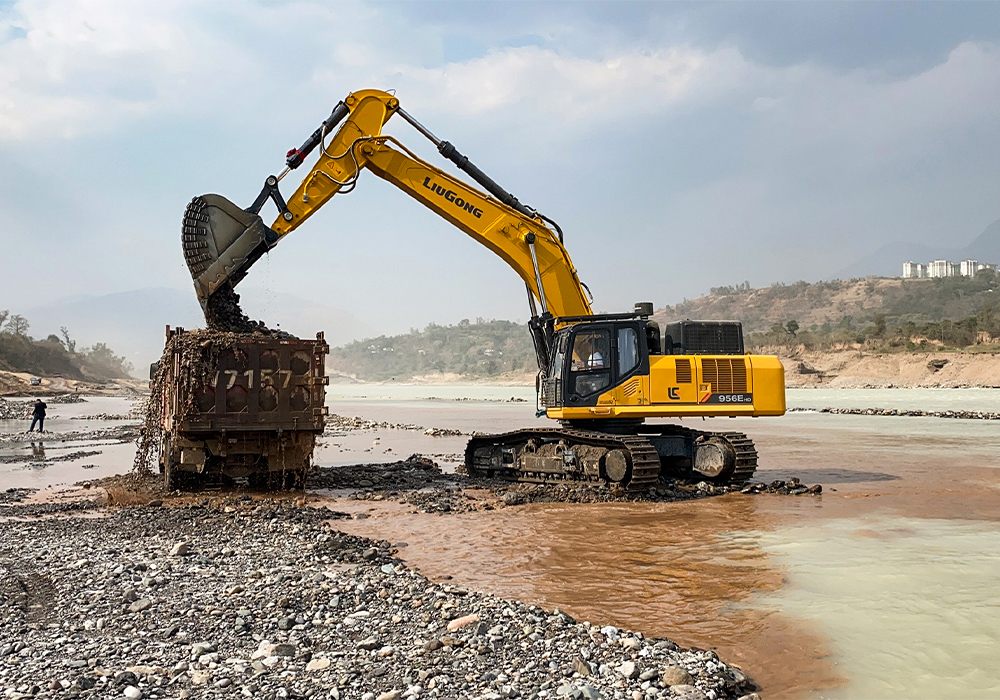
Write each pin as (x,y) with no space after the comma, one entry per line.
(17,325)
(70,344)
(792,327)
(3,317)
(879,325)
(778,329)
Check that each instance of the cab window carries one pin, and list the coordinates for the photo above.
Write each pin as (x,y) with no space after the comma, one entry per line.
(628,350)
(590,363)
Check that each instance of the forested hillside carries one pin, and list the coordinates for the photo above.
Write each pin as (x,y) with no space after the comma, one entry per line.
(55,356)
(878,314)
(813,305)
(474,350)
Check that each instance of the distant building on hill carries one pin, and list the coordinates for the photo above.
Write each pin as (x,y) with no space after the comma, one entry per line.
(945,268)
(942,268)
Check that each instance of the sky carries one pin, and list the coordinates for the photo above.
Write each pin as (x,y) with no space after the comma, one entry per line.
(680,146)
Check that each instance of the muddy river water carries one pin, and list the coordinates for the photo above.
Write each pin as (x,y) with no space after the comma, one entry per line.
(883,587)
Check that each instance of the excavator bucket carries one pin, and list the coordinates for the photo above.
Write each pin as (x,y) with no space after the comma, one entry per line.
(221,241)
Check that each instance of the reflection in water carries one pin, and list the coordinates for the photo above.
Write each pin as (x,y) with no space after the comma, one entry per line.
(683,570)
(38,450)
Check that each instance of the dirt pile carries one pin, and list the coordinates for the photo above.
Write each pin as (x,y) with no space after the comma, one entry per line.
(223,313)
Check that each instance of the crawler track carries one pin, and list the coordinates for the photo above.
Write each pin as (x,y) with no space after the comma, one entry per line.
(644,463)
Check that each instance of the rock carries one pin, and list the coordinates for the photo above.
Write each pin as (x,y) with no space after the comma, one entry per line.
(591,693)
(648,674)
(460,622)
(631,643)
(749,696)
(283,650)
(675,675)
(132,693)
(140,605)
(514,498)
(391,695)
(628,669)
(582,667)
(181,549)
(320,664)
(688,692)
(286,623)
(373,643)
(430,645)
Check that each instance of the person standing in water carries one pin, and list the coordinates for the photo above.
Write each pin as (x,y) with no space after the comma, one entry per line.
(38,416)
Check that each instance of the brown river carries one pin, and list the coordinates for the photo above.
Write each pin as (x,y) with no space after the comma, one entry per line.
(885,586)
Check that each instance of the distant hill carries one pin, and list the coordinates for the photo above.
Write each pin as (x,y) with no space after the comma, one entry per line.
(813,305)
(888,260)
(132,322)
(477,350)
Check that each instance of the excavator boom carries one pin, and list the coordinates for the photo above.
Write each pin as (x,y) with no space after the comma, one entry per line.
(222,241)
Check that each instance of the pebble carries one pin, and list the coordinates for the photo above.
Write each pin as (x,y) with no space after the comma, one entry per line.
(140,605)
(132,692)
(628,669)
(320,664)
(180,549)
(460,622)
(675,675)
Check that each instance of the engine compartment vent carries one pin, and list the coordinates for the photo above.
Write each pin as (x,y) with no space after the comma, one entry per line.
(727,376)
(683,369)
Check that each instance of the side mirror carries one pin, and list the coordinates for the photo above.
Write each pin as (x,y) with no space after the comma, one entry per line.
(153,369)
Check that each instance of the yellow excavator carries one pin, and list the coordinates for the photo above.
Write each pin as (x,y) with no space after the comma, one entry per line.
(601,375)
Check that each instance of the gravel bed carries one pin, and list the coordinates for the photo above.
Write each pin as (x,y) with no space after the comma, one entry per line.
(118,433)
(267,600)
(338,425)
(964,415)
(107,416)
(343,424)
(16,410)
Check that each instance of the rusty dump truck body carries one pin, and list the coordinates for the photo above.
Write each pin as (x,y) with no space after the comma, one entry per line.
(255,412)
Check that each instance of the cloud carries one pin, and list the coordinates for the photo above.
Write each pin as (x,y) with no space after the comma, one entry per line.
(788,165)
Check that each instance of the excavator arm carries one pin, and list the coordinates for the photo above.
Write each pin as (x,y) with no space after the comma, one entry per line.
(222,241)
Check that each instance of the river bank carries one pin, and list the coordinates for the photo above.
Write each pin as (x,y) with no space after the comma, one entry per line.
(856,369)
(265,597)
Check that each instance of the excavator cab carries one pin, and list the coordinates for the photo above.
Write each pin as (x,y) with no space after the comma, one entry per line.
(591,358)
